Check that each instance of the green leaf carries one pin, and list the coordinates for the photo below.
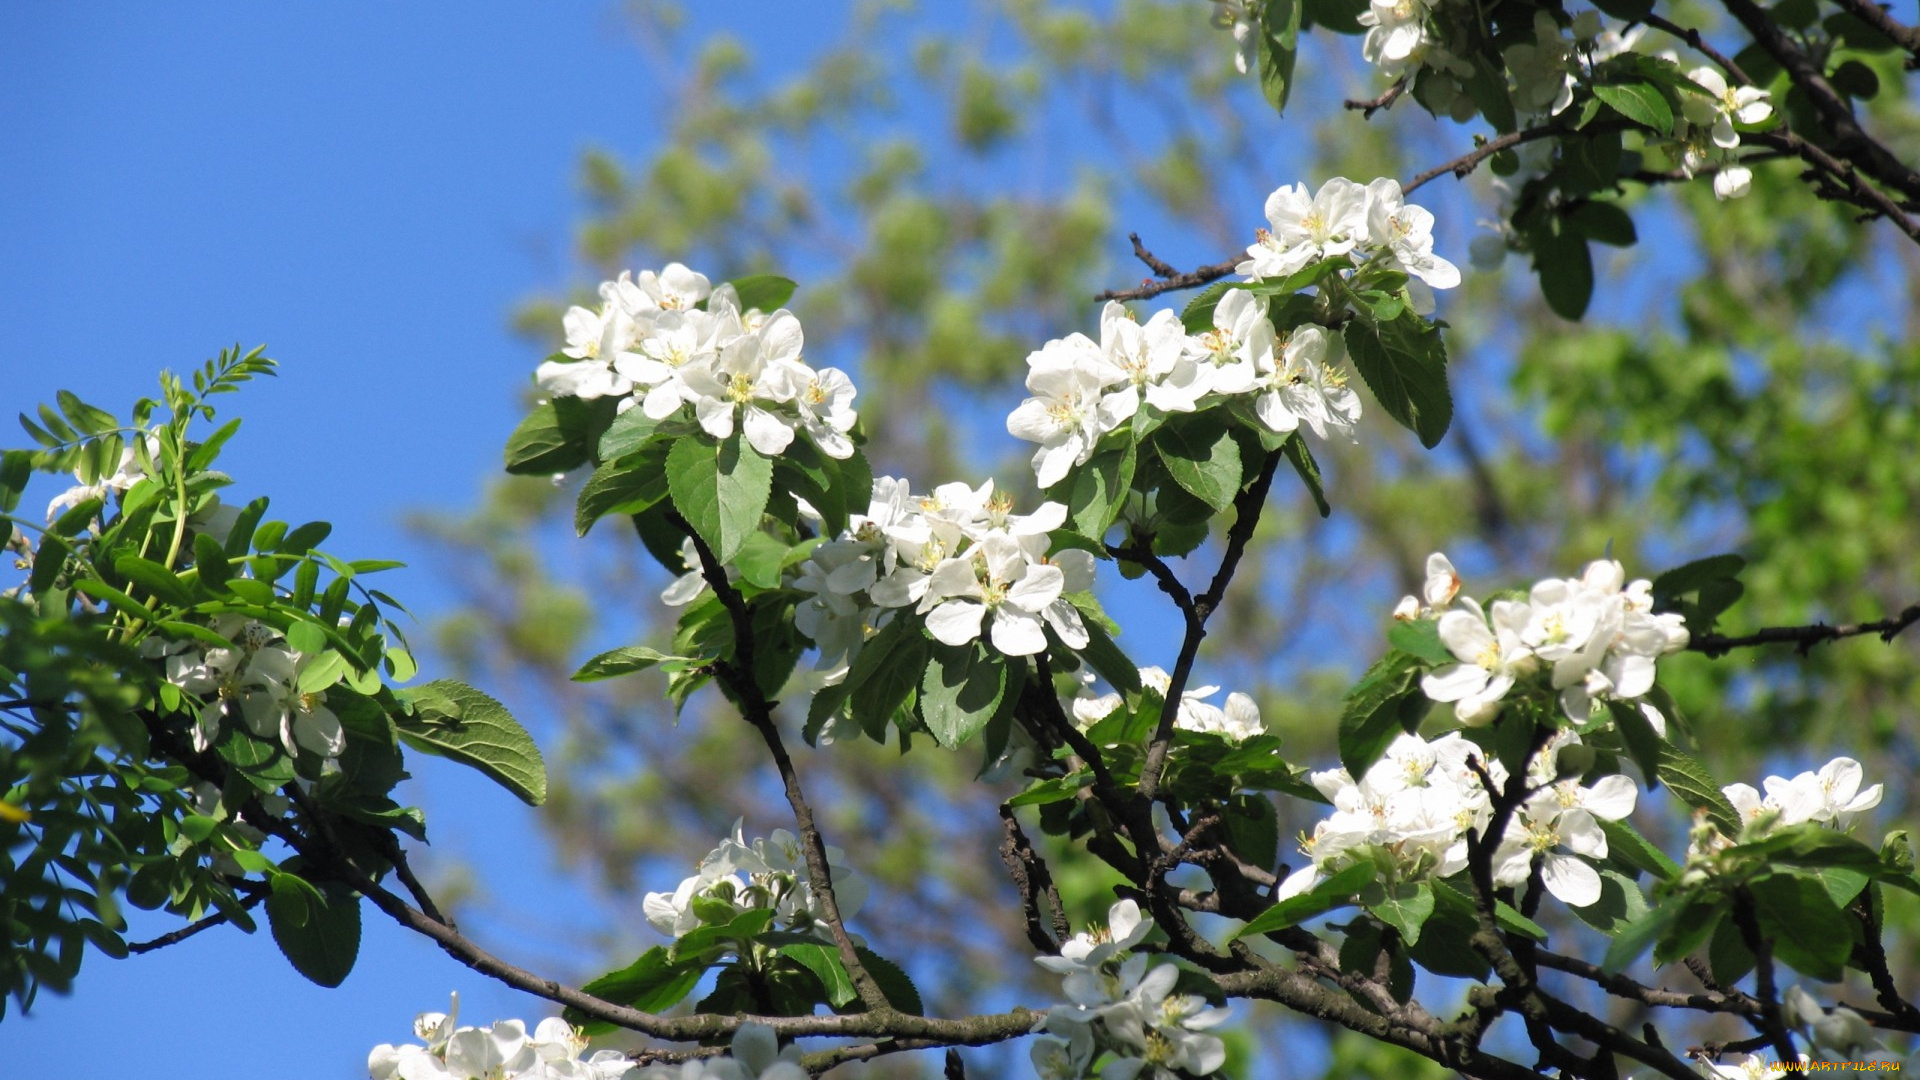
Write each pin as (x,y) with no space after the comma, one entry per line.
(1642,741)
(210,557)
(1405,909)
(1604,222)
(458,722)
(627,486)
(1404,363)
(890,665)
(628,432)
(1620,905)
(1626,845)
(1371,717)
(653,983)
(761,559)
(1420,638)
(305,538)
(318,930)
(75,520)
(960,691)
(1487,86)
(156,579)
(16,468)
(892,981)
(1108,661)
(550,440)
(768,292)
(1638,936)
(1301,458)
(1279,41)
(622,661)
(1202,456)
(120,601)
(1799,921)
(1565,267)
(818,957)
(721,490)
(1335,891)
(1099,490)
(1642,103)
(1690,780)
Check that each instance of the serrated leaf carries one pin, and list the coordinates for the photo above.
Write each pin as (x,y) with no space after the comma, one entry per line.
(318,930)
(1643,743)
(1625,844)
(544,443)
(892,981)
(1405,909)
(1690,780)
(820,958)
(1197,316)
(622,661)
(1420,638)
(458,722)
(1799,920)
(1370,719)
(1404,364)
(652,983)
(1641,103)
(1099,490)
(627,486)
(721,490)
(960,691)
(1202,457)
(1301,458)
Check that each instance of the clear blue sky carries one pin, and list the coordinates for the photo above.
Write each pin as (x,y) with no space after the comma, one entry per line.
(367,188)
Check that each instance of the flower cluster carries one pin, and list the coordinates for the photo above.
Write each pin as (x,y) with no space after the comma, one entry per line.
(1239,720)
(278,691)
(669,340)
(1705,129)
(1374,222)
(1117,1002)
(501,1051)
(1411,812)
(764,873)
(1083,390)
(1831,796)
(1597,634)
(960,557)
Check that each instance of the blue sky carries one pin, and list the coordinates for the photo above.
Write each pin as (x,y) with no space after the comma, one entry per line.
(366,188)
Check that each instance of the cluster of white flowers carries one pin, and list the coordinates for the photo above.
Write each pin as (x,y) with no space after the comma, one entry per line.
(1831,796)
(1706,129)
(653,344)
(1598,634)
(1117,1002)
(280,693)
(756,1055)
(1411,812)
(1239,720)
(956,556)
(1083,390)
(501,1051)
(1344,218)
(764,873)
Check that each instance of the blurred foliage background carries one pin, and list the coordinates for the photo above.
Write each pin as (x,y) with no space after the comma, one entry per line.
(953,183)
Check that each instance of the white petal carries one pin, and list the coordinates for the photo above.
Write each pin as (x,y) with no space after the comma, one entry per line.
(1015,632)
(1573,881)
(957,622)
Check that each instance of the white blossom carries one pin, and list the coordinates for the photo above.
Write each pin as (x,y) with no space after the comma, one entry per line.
(1303,229)
(1071,408)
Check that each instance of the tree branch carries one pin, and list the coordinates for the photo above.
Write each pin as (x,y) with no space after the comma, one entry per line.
(1035,882)
(738,675)
(1804,638)
(1876,16)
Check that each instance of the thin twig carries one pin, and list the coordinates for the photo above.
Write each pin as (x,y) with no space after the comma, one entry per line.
(1031,877)
(1769,1023)
(1154,262)
(1876,16)
(1804,638)
(738,676)
(177,936)
(1385,101)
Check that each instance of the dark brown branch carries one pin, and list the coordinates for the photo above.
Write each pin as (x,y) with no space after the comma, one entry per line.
(738,676)
(1804,638)
(175,937)
(1622,986)
(1035,882)
(1699,44)
(1154,262)
(1876,16)
(1850,141)
(1190,280)
(1770,1022)
(1463,166)
(1901,1012)
(1385,101)
(1247,506)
